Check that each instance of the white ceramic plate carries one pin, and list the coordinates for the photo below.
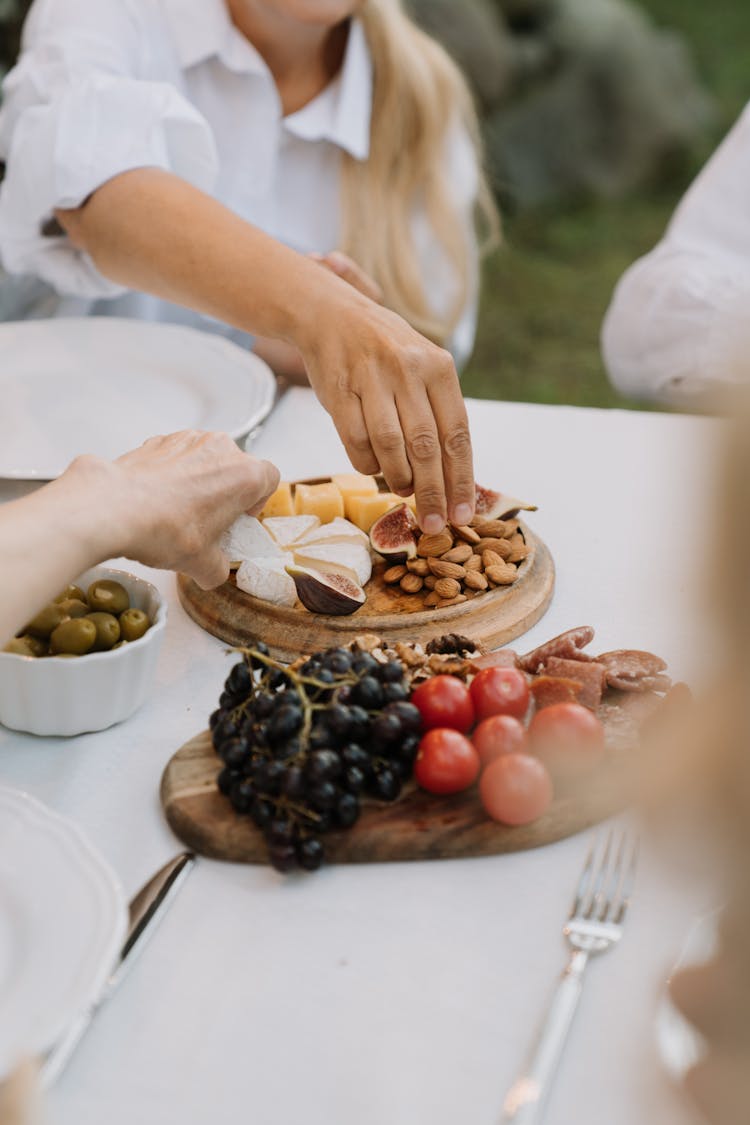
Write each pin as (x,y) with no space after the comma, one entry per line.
(62,923)
(103,385)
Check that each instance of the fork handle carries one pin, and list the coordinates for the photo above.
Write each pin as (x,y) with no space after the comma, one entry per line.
(525,1101)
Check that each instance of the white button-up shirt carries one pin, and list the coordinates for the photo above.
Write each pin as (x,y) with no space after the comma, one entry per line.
(678,327)
(104,86)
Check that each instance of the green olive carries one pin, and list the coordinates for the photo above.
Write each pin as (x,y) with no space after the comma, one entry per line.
(37,646)
(106,596)
(107,630)
(75,636)
(120,644)
(64,655)
(133,624)
(74,607)
(46,621)
(21,647)
(71,592)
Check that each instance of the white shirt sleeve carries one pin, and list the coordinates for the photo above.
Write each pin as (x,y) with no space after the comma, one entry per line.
(679,317)
(77,111)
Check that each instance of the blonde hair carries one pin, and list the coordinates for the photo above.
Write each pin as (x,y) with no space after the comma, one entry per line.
(419,97)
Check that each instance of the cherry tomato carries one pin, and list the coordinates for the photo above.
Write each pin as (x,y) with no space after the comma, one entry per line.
(444,701)
(515,789)
(446,762)
(500,691)
(500,734)
(568,738)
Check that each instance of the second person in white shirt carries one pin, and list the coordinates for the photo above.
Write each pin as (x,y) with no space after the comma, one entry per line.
(188,148)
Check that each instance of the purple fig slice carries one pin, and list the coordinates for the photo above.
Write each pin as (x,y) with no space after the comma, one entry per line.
(497,506)
(394,535)
(324,591)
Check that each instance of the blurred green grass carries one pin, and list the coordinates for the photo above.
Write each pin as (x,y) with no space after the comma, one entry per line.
(546,290)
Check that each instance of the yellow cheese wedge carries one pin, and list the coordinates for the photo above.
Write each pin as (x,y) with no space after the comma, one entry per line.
(355,484)
(279,503)
(364,510)
(322,500)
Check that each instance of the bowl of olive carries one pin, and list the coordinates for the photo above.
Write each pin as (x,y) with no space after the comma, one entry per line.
(87,659)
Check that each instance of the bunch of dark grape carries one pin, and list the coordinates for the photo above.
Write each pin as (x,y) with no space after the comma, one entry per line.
(302,746)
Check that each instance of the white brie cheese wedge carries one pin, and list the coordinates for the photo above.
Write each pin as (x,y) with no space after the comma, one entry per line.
(248,539)
(267,579)
(286,530)
(338,530)
(344,557)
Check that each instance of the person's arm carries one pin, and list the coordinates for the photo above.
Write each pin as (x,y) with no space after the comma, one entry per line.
(676,326)
(164,504)
(393,395)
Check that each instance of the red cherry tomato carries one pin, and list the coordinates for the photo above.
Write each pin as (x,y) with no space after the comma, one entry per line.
(444,701)
(515,789)
(568,738)
(500,691)
(500,734)
(446,762)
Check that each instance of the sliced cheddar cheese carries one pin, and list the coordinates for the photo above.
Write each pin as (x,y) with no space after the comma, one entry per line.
(364,510)
(322,500)
(279,503)
(354,484)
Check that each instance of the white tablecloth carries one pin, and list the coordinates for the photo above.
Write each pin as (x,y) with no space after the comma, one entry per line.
(401,994)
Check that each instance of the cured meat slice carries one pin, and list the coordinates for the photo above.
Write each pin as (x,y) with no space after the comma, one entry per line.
(658,683)
(631,663)
(567,646)
(548,690)
(590,674)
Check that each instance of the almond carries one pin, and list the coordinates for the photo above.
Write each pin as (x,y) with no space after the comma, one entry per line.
(474,563)
(501,547)
(433,546)
(431,600)
(418,566)
(492,529)
(503,575)
(468,534)
(447,588)
(475,580)
(458,554)
(518,554)
(430,581)
(442,569)
(394,574)
(411,583)
(491,558)
(445,602)
(511,527)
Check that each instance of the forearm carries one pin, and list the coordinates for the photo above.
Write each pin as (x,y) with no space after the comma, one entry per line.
(47,539)
(151,231)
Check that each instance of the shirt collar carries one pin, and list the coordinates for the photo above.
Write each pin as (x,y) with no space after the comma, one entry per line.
(341,113)
(203,30)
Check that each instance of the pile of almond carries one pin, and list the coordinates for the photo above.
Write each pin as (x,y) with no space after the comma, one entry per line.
(461,563)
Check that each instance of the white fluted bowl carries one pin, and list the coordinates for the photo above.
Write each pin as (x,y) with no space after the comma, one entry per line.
(50,696)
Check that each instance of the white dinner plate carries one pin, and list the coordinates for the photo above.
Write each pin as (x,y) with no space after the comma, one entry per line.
(103,385)
(62,923)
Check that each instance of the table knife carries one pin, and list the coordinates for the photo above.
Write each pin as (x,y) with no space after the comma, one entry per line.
(145,912)
(282,386)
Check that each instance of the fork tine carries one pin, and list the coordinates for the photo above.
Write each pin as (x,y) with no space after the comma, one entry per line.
(583,888)
(626,890)
(602,875)
(610,898)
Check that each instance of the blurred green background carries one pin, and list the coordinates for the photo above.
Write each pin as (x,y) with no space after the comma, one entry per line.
(546,290)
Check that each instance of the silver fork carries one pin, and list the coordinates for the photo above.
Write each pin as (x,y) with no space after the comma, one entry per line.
(595,925)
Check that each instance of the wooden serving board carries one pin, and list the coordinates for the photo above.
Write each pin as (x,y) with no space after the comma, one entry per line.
(491,619)
(418,826)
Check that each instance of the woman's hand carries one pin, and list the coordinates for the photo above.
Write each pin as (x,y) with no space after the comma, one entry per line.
(175,495)
(397,405)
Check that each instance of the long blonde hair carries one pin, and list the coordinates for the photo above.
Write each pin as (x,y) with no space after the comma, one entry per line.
(419,97)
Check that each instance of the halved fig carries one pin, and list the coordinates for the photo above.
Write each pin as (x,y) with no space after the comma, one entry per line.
(394,535)
(322,591)
(497,506)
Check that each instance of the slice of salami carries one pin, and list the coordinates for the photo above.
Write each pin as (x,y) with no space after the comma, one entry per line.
(591,676)
(548,690)
(630,664)
(658,683)
(567,646)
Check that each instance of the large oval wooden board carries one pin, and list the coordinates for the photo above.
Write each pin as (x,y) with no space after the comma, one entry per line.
(491,619)
(417,826)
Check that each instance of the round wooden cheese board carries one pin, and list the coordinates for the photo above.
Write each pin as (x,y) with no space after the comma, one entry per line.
(418,826)
(492,619)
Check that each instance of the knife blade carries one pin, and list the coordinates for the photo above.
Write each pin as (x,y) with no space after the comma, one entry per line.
(282,386)
(145,912)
